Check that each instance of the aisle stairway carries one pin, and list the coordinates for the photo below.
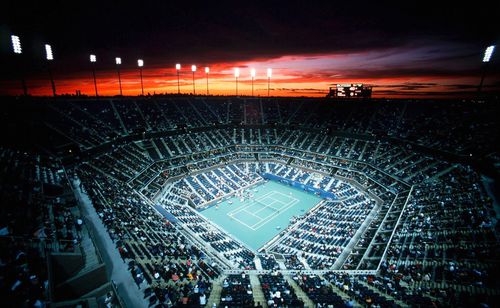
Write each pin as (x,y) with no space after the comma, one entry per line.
(300,294)
(258,294)
(216,292)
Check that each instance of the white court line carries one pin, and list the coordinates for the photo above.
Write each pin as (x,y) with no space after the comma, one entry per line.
(244,208)
(288,196)
(280,193)
(278,201)
(243,223)
(276,192)
(272,216)
(287,206)
(264,207)
(231,215)
(246,204)
(265,220)
(251,203)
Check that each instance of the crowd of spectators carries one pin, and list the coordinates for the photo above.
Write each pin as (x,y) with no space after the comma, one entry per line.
(169,268)
(320,237)
(37,219)
(319,291)
(237,292)
(23,273)
(217,183)
(278,292)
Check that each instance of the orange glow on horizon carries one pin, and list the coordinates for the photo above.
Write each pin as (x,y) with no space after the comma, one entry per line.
(291,76)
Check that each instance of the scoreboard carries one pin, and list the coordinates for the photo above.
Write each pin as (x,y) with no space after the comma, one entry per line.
(350,91)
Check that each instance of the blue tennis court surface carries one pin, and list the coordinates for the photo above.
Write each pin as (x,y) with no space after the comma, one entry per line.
(257,220)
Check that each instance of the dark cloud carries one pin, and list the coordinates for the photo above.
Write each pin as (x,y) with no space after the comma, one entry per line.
(494,85)
(395,72)
(408,86)
(220,30)
(165,32)
(412,84)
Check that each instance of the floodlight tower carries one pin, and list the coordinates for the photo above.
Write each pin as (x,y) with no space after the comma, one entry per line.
(16,47)
(486,59)
(236,75)
(193,69)
(252,73)
(50,57)
(140,64)
(269,75)
(178,68)
(207,71)
(118,62)
(93,59)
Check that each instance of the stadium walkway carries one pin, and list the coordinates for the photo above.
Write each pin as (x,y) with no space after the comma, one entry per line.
(299,292)
(130,295)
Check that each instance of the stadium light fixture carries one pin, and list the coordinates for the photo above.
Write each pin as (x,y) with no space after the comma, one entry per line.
(16,47)
(93,60)
(269,75)
(488,53)
(118,62)
(207,71)
(50,57)
(236,75)
(16,44)
(193,69)
(48,52)
(178,68)
(140,64)
(252,73)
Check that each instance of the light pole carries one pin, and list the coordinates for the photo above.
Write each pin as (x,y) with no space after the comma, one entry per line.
(16,47)
(178,68)
(269,74)
(207,70)
(252,73)
(236,75)
(486,59)
(140,64)
(118,62)
(193,69)
(93,59)
(50,57)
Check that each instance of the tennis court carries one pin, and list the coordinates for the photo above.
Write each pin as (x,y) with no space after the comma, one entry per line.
(257,219)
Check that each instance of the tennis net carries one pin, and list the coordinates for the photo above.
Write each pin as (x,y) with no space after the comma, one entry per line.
(267,206)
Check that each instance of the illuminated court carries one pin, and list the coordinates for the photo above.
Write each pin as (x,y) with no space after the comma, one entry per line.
(257,220)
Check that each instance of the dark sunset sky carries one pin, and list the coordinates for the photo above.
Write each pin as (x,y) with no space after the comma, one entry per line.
(425,49)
